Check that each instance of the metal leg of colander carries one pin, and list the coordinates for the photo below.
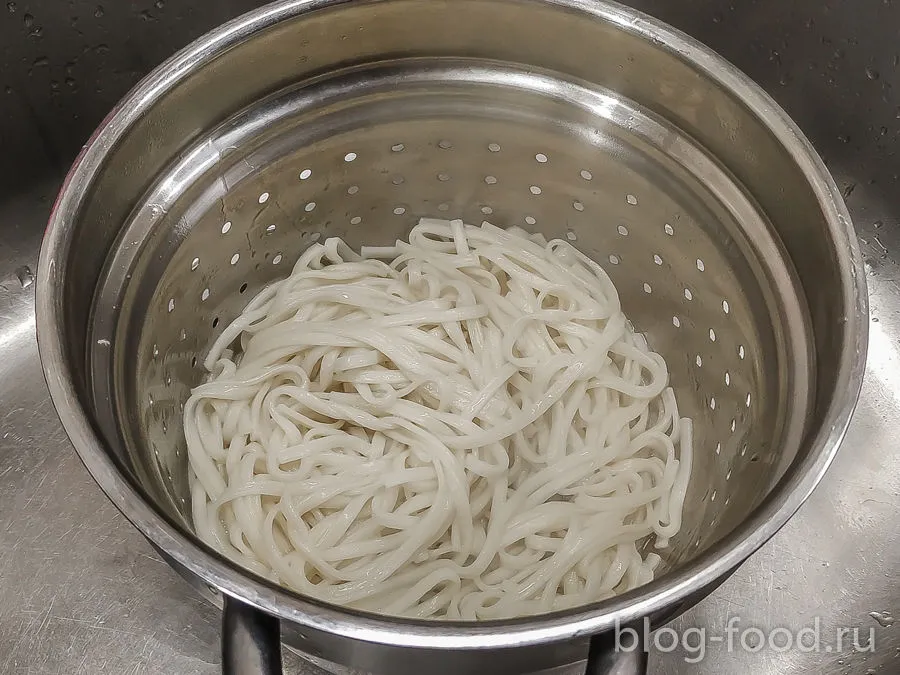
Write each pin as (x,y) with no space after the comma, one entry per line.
(251,640)
(619,652)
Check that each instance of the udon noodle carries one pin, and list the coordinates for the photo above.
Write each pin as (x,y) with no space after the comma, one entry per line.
(460,426)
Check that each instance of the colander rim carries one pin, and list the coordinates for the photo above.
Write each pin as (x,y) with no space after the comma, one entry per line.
(712,565)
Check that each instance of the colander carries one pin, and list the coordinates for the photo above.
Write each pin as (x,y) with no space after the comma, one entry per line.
(726,237)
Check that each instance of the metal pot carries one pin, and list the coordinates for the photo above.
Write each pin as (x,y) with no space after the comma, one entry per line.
(727,238)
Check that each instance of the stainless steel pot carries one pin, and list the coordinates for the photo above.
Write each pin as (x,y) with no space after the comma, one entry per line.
(724,233)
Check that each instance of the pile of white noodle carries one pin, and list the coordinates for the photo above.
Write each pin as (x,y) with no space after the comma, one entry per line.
(470,430)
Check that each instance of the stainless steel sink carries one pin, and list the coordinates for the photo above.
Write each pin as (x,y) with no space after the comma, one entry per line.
(81,591)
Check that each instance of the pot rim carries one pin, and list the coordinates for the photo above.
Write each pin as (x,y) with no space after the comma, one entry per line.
(673,587)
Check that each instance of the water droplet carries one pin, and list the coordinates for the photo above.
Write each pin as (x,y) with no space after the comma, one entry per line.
(884,619)
(25,276)
(159,4)
(40,62)
(11,6)
(844,139)
(849,190)
(877,224)
(871,73)
(99,11)
(28,20)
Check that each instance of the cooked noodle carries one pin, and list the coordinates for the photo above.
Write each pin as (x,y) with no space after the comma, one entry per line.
(460,426)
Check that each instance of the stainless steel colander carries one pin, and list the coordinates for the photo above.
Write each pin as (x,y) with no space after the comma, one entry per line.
(727,240)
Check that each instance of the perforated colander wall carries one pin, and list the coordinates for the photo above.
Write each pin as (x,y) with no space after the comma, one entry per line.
(627,189)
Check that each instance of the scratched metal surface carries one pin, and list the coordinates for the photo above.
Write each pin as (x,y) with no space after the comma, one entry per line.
(81,592)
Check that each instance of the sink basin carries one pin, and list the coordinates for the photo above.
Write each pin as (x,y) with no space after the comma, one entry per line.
(81,590)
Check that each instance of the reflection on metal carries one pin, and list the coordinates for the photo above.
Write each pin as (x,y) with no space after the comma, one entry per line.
(11,333)
(884,359)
